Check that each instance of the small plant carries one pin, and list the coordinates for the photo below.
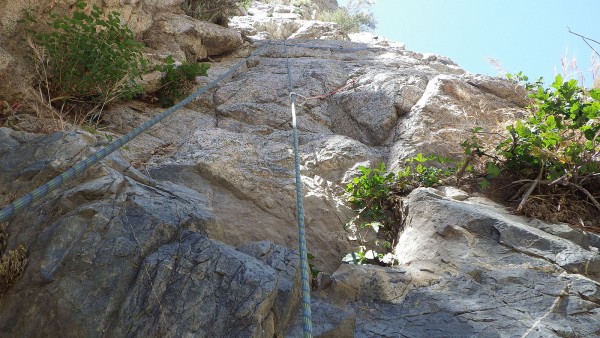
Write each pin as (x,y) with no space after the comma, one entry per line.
(88,57)
(246,4)
(178,79)
(352,18)
(374,195)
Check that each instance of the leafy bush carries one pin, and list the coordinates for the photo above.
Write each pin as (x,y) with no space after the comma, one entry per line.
(555,148)
(374,195)
(352,18)
(89,57)
(178,79)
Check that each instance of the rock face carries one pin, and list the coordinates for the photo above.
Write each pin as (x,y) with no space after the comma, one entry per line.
(469,269)
(119,254)
(284,20)
(144,243)
(233,145)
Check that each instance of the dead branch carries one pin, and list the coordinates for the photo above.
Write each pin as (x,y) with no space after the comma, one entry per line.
(585,39)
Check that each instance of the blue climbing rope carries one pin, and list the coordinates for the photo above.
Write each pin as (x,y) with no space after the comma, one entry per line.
(23,202)
(306,311)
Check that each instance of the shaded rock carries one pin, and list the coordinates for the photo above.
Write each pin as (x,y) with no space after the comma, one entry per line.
(120,254)
(286,264)
(197,287)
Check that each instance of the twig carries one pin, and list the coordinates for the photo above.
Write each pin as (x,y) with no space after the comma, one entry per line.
(531,187)
(463,168)
(585,39)
(587,193)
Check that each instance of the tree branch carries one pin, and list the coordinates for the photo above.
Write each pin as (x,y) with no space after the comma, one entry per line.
(585,39)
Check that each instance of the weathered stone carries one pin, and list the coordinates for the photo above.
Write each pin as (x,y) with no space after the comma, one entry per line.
(187,289)
(5,60)
(180,35)
(117,256)
(286,264)
(463,272)
(319,30)
(136,252)
(328,321)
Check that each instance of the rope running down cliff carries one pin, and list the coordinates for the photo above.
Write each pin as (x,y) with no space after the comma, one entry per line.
(304,272)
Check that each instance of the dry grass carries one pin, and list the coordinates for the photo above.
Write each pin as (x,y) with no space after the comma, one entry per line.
(550,203)
(12,263)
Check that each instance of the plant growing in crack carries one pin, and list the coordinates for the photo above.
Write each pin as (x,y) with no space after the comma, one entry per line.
(375,194)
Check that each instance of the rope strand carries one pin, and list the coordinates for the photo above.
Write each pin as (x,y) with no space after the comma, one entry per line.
(304,272)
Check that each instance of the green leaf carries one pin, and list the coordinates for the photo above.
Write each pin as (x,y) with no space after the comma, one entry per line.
(492,169)
(420,158)
(558,81)
(595,94)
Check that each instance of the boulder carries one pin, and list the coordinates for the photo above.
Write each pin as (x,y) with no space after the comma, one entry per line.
(185,37)
(468,268)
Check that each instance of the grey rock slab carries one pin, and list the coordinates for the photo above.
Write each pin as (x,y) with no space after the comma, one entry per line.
(286,263)
(199,287)
(470,269)
(484,222)
(111,255)
(184,37)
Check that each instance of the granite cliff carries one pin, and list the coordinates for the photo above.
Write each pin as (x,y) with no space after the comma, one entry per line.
(190,230)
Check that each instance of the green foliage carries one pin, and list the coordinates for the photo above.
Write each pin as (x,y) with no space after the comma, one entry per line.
(178,79)
(90,57)
(373,195)
(246,4)
(370,190)
(352,18)
(552,152)
(313,269)
(557,139)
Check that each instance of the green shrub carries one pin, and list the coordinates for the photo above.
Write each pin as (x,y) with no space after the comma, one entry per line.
(352,18)
(374,195)
(554,148)
(178,79)
(89,57)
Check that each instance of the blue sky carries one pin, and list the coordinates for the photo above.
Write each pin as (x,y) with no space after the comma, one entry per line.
(527,35)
